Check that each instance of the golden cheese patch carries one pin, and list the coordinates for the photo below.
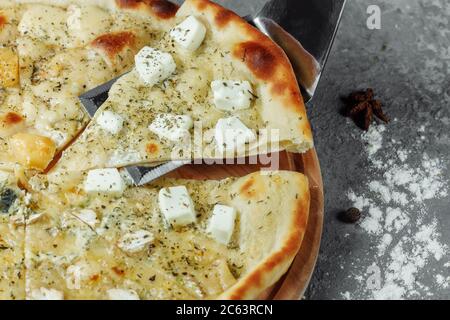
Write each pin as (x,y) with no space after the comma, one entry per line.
(9,68)
(32,151)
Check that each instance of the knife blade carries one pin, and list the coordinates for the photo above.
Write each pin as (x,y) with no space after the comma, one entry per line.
(93,99)
(304,29)
(144,175)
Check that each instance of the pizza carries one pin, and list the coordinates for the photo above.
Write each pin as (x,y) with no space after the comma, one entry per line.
(72,224)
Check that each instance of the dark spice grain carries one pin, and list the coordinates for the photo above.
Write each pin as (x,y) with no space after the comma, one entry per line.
(351,215)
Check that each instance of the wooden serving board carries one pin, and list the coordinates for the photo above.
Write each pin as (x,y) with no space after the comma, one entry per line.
(294,283)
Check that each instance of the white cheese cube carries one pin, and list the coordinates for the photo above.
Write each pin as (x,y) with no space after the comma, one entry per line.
(189,34)
(122,294)
(154,66)
(221,224)
(110,122)
(46,294)
(171,127)
(232,95)
(88,216)
(231,134)
(136,241)
(176,205)
(104,180)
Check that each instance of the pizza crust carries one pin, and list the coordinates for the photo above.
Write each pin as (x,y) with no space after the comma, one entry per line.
(289,199)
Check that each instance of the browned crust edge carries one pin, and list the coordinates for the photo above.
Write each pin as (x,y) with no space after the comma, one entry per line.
(273,267)
(161,9)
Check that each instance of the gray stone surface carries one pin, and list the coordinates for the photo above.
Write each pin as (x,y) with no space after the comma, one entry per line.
(407,62)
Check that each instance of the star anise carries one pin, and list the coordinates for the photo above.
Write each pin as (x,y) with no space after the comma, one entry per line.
(362,106)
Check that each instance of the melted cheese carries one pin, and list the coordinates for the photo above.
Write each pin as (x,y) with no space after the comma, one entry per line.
(9,19)
(85,23)
(46,294)
(12,238)
(131,248)
(46,23)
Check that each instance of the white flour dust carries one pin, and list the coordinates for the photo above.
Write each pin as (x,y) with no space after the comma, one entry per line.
(405,233)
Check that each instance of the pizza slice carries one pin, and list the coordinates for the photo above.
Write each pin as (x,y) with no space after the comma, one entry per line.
(100,238)
(50,53)
(13,211)
(213,87)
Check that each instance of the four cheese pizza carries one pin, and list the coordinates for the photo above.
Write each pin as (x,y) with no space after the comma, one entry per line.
(197,82)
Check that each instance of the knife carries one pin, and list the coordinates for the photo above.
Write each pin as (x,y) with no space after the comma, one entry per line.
(304,29)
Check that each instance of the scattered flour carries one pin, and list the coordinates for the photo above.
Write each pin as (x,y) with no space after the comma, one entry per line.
(374,139)
(404,246)
(442,281)
(386,240)
(402,155)
(395,219)
(372,223)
